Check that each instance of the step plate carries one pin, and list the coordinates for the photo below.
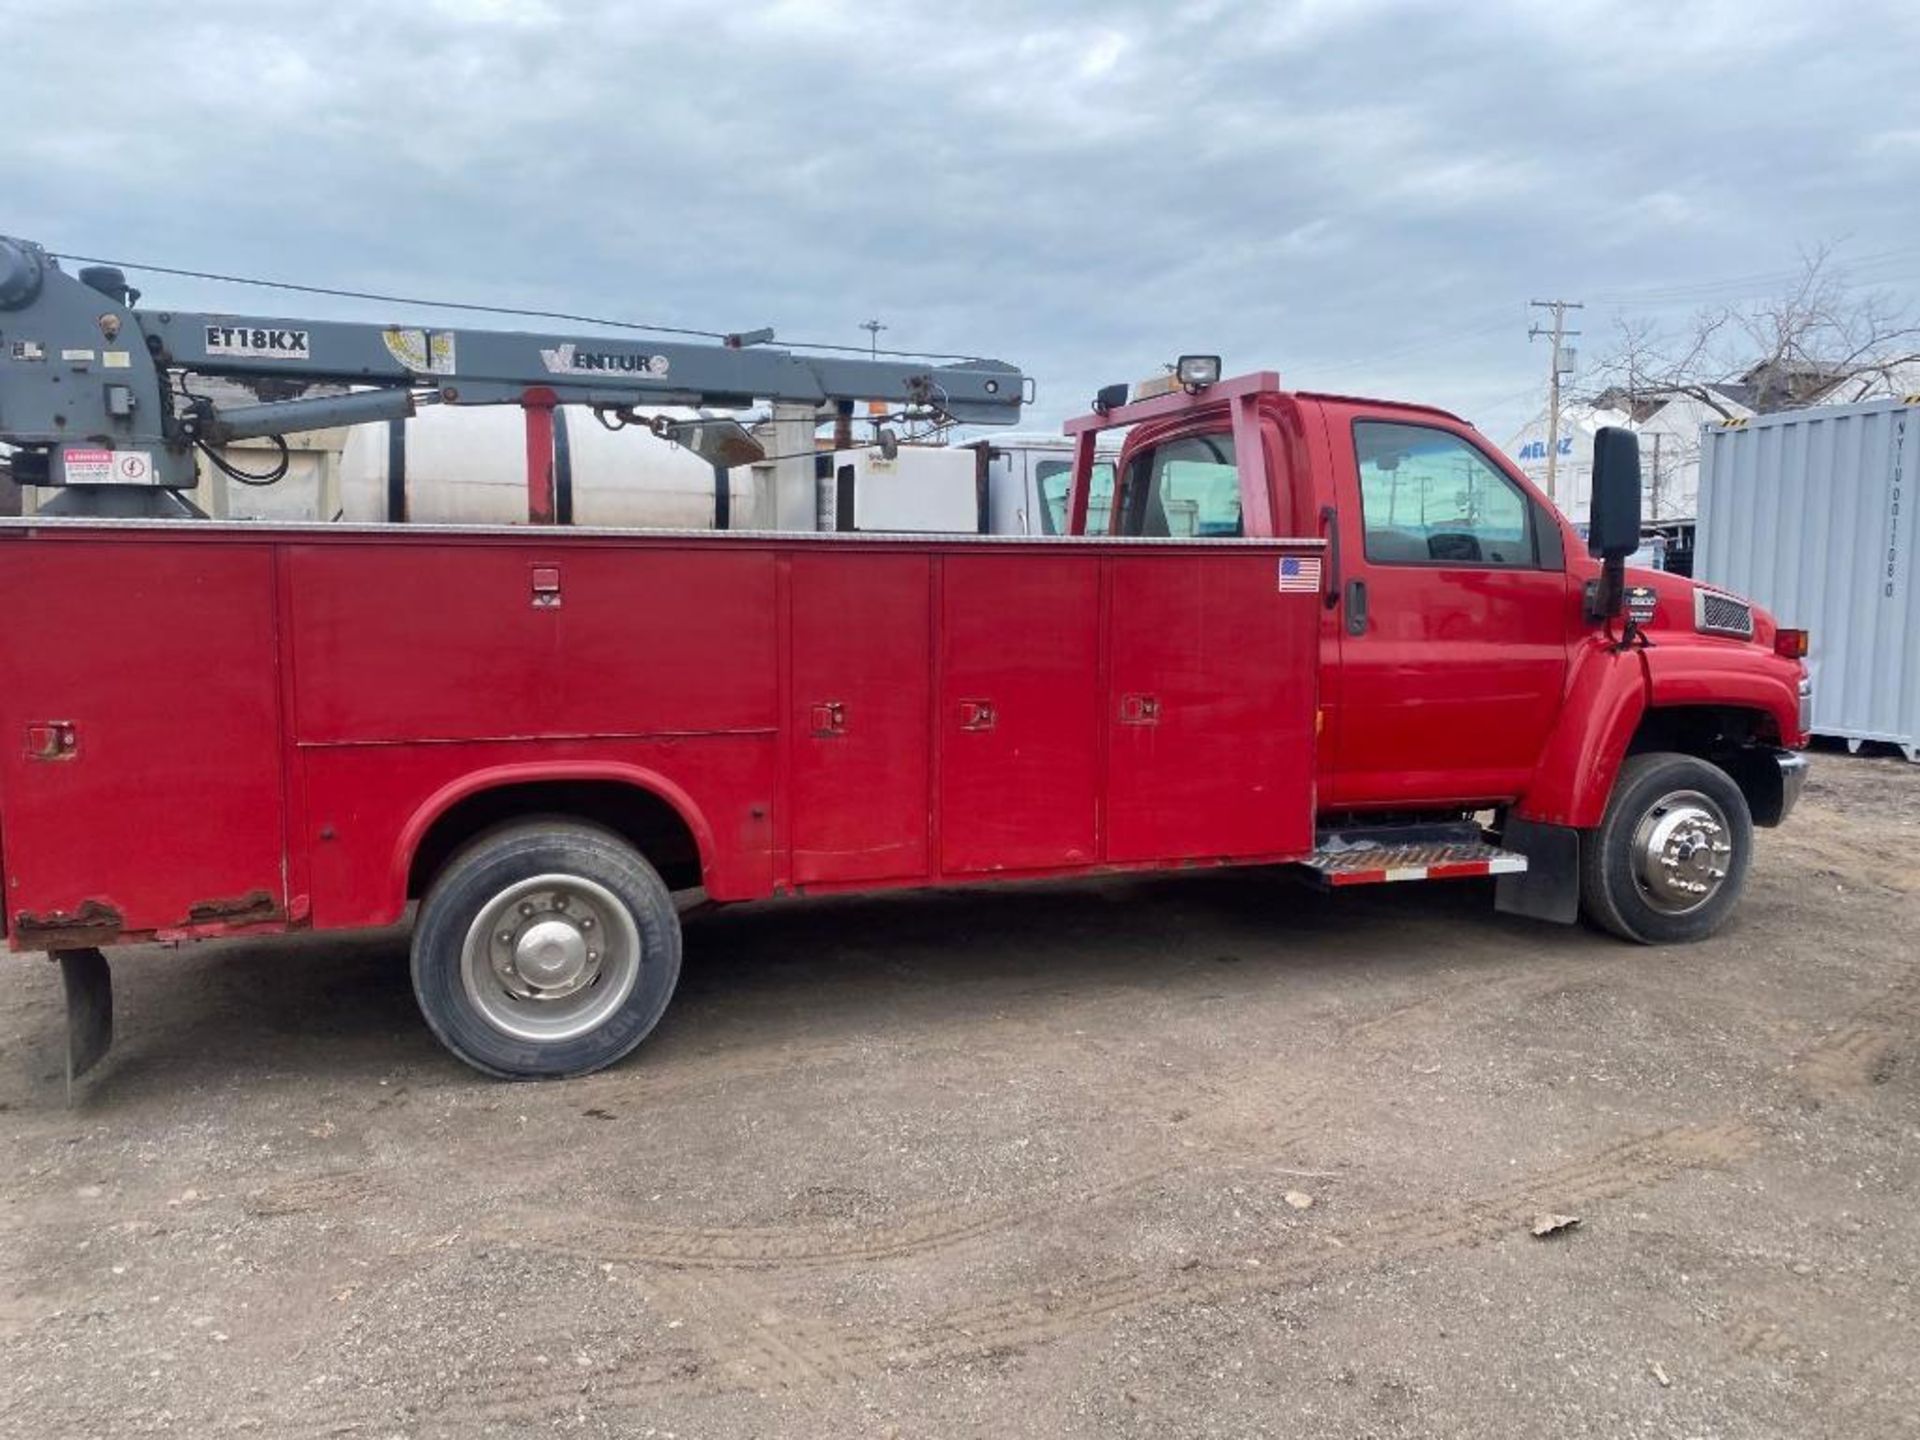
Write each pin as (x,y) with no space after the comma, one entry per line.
(1385,864)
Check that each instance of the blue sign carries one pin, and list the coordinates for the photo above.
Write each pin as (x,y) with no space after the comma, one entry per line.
(1537,449)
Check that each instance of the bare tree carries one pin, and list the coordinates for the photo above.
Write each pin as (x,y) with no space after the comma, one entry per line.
(1819,340)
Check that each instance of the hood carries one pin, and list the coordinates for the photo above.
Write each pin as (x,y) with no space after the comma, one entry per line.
(1660,600)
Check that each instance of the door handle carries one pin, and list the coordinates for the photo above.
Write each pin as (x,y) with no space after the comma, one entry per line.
(829,720)
(1356,607)
(52,740)
(976,715)
(1139,709)
(546,587)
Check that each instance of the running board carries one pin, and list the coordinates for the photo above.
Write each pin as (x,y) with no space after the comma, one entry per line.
(1350,860)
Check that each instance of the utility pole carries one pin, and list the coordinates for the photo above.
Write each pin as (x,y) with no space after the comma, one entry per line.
(873,329)
(1655,516)
(1556,367)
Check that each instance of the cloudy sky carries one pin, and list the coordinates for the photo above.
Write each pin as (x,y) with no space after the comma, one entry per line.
(1362,196)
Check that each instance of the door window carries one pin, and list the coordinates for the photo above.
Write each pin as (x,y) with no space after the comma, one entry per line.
(1186,489)
(1430,498)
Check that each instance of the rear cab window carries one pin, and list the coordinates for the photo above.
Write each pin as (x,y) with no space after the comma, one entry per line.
(1187,488)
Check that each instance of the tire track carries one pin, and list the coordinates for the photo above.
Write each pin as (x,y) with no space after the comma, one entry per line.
(1384,1031)
(919,1232)
(1862,1052)
(1037,1317)
(751,1345)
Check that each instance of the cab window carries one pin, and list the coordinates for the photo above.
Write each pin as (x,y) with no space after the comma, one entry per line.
(1184,489)
(1055,478)
(1430,498)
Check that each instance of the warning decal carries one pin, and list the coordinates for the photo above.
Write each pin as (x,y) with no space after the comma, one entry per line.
(108,467)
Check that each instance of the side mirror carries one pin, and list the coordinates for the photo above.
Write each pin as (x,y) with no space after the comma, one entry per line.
(1613,529)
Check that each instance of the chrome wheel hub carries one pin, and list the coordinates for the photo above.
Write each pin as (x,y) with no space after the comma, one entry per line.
(1682,852)
(551,958)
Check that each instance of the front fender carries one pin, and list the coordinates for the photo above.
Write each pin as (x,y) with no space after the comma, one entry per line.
(1733,675)
(1607,693)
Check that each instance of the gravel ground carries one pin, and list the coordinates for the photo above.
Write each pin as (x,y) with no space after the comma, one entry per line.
(1209,1155)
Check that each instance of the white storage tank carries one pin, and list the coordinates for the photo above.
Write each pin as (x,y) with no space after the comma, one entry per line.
(923,489)
(466,465)
(1811,513)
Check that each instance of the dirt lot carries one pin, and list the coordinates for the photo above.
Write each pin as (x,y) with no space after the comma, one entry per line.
(1016,1163)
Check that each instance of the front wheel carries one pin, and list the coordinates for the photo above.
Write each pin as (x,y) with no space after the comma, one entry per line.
(1670,859)
(544,949)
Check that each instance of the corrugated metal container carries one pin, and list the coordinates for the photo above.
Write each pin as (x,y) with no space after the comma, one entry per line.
(1811,513)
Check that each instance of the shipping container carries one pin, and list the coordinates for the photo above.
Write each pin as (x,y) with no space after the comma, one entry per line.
(1810,513)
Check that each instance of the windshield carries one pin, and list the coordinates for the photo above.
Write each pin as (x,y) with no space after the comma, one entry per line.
(1054,478)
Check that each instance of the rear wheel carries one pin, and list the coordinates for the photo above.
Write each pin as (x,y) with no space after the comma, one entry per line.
(545,949)
(1670,859)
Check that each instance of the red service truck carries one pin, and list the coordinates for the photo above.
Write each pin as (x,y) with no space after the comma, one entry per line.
(1337,634)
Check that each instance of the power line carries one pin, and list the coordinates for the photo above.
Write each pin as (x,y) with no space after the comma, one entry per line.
(484,309)
(1756,282)
(1435,341)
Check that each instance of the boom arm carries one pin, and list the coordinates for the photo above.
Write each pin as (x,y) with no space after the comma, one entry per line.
(85,378)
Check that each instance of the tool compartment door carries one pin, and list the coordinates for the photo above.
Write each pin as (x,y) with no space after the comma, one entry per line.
(166,809)
(862,635)
(1210,707)
(1018,711)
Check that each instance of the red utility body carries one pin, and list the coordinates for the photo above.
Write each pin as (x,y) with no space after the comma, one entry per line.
(267,724)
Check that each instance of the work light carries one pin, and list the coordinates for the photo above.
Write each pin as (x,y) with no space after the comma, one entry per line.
(1196,372)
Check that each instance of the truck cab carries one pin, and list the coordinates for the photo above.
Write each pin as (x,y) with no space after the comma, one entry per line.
(1626,750)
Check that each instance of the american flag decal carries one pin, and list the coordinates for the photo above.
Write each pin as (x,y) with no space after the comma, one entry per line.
(1299,574)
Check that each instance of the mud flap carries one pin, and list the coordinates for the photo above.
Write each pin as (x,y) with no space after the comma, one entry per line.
(89,986)
(1549,888)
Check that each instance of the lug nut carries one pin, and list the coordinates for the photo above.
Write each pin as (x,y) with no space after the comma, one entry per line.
(526,907)
(586,922)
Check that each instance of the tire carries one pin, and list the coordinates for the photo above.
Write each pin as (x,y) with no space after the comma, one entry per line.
(545,949)
(1669,861)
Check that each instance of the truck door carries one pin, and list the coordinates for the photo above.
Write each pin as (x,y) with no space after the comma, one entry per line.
(1453,616)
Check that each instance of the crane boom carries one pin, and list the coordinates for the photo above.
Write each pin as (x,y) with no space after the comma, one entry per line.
(87,381)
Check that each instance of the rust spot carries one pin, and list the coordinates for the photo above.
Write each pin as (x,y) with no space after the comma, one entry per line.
(251,908)
(86,924)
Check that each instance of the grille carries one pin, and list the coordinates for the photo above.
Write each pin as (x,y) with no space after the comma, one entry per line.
(1718,614)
